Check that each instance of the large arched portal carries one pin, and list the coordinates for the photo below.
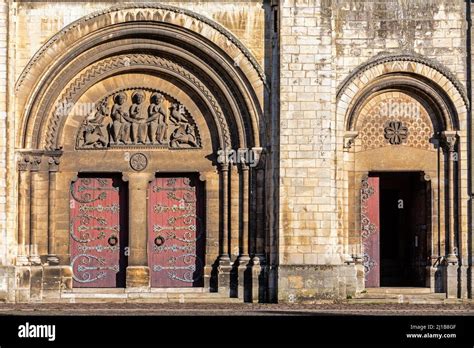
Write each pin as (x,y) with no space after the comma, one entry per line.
(129,119)
(404,147)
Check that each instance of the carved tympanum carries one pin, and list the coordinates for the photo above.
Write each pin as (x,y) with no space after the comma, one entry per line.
(138,117)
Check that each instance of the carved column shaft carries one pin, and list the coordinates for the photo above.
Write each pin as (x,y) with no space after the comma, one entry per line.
(53,168)
(23,210)
(225,213)
(245,213)
(39,213)
(450,140)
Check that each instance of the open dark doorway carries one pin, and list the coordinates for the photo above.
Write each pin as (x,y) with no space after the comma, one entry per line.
(405,212)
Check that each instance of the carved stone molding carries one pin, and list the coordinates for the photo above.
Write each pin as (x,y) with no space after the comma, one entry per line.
(33,160)
(113,63)
(141,12)
(138,116)
(398,60)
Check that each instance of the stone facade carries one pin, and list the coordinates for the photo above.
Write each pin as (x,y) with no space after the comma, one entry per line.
(281,108)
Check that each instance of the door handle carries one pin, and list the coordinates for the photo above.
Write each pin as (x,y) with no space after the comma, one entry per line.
(159,241)
(113,240)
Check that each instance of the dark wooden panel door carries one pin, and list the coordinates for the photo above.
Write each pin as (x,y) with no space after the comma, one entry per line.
(95,233)
(420,223)
(370,230)
(175,236)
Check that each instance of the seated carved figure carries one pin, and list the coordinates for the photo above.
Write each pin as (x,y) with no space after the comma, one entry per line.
(157,119)
(95,129)
(138,117)
(120,130)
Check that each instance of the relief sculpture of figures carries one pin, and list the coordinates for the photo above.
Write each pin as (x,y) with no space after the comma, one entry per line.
(120,131)
(157,120)
(126,119)
(139,118)
(183,136)
(95,129)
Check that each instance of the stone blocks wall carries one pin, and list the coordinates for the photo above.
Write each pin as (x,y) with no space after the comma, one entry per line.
(322,42)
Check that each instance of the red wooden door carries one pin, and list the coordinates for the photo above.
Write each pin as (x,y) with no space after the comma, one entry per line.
(95,233)
(175,236)
(370,230)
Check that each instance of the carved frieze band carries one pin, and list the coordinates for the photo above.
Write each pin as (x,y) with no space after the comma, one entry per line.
(39,160)
(138,116)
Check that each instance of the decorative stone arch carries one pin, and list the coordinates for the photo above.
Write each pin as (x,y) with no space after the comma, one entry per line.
(199,43)
(444,102)
(190,61)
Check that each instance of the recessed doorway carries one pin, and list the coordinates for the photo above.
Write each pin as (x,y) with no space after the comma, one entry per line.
(397,245)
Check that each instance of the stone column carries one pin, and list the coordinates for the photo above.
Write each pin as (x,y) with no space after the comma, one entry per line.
(53,169)
(224,258)
(244,257)
(23,210)
(39,210)
(211,180)
(350,248)
(450,139)
(138,272)
(53,273)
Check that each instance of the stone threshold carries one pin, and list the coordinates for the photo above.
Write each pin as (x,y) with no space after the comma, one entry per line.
(162,295)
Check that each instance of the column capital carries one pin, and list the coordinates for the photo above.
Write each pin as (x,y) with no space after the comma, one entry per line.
(349,139)
(449,140)
(138,181)
(23,162)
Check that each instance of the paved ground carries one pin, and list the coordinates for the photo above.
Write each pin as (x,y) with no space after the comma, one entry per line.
(235,309)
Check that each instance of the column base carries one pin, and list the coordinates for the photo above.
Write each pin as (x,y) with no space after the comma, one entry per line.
(451,280)
(35,260)
(7,284)
(258,280)
(22,260)
(223,275)
(53,260)
(138,279)
(242,278)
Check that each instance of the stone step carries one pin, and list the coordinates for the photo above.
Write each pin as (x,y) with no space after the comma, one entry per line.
(401,295)
(406,301)
(120,296)
(399,291)
(433,296)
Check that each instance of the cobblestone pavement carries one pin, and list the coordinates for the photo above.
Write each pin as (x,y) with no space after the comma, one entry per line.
(234,309)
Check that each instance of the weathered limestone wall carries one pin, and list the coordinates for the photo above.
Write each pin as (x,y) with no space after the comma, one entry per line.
(7,244)
(39,21)
(322,42)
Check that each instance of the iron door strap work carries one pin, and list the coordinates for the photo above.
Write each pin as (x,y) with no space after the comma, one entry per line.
(95,232)
(370,230)
(176,236)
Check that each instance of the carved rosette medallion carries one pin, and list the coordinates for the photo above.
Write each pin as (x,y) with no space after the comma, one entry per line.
(138,162)
(395,132)
(138,117)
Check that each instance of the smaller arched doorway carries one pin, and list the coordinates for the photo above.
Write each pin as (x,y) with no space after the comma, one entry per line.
(402,157)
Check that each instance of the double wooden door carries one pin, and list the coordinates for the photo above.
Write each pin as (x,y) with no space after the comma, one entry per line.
(99,237)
